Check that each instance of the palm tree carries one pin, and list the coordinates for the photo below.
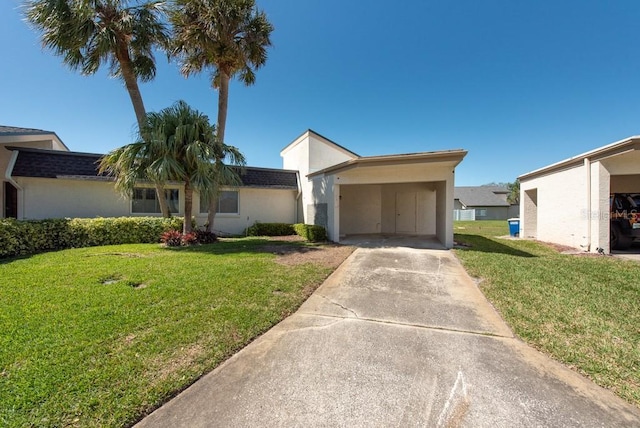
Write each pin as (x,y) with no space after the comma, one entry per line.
(230,37)
(176,144)
(88,33)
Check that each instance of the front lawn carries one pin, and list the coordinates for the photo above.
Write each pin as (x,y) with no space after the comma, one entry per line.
(101,336)
(584,310)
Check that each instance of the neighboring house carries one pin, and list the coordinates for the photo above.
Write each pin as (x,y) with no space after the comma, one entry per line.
(322,183)
(568,202)
(487,202)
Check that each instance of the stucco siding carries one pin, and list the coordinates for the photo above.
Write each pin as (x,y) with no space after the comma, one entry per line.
(255,206)
(42,198)
(360,209)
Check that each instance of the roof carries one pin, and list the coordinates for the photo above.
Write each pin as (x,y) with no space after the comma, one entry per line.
(42,163)
(327,140)
(481,196)
(14,130)
(613,149)
(400,159)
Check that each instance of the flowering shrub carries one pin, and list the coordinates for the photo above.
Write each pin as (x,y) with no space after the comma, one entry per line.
(173,238)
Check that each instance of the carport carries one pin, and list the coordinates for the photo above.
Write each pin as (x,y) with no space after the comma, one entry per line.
(569,202)
(410,194)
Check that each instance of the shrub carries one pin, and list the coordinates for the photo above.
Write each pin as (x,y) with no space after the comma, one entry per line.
(311,232)
(34,236)
(270,229)
(171,238)
(205,237)
(174,238)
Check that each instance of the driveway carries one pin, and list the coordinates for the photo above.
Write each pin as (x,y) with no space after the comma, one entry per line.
(395,337)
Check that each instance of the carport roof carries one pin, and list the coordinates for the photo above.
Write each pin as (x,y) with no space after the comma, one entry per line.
(454,156)
(619,147)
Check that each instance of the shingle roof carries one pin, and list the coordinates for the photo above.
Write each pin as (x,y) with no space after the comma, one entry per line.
(15,130)
(480,196)
(261,177)
(59,164)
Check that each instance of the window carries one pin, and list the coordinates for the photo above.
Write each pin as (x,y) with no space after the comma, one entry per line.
(227,203)
(145,201)
(481,212)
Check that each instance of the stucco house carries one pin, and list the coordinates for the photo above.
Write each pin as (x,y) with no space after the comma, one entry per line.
(321,183)
(568,202)
(487,202)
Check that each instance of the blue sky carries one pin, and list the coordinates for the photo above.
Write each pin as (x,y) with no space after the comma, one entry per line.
(518,84)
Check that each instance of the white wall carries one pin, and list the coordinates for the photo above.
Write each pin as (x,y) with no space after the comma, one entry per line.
(57,198)
(307,154)
(42,198)
(255,205)
(360,209)
(562,210)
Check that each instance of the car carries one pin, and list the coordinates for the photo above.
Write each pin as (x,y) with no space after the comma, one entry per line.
(624,227)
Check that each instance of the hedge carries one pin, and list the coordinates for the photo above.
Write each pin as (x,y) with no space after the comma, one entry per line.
(311,232)
(308,231)
(34,236)
(270,229)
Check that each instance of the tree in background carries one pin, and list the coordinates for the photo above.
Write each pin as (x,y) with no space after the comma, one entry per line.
(514,192)
(176,144)
(231,38)
(90,33)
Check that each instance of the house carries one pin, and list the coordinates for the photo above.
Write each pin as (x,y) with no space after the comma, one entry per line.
(486,202)
(321,183)
(568,202)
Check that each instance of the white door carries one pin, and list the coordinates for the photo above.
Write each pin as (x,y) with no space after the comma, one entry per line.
(406,212)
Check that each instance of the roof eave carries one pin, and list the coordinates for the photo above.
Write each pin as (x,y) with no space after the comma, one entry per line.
(613,149)
(454,156)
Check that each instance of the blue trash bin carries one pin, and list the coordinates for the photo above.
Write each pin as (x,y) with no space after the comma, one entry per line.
(514,226)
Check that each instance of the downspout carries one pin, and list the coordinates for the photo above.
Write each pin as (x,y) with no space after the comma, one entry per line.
(587,167)
(9,178)
(299,182)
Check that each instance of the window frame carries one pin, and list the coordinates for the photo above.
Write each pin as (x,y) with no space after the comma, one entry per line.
(168,193)
(203,198)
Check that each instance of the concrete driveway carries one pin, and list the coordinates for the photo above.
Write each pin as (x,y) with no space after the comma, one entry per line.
(395,337)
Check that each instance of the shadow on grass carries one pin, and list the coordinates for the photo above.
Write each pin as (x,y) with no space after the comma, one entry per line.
(487,245)
(251,245)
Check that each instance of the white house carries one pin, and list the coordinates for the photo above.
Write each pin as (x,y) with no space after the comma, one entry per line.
(322,183)
(568,202)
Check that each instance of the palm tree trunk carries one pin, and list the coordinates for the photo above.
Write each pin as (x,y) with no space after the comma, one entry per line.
(223,101)
(131,83)
(188,203)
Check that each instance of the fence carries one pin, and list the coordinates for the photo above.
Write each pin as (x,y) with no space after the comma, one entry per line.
(464,215)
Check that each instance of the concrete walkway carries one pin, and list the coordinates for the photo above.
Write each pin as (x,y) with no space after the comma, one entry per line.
(395,337)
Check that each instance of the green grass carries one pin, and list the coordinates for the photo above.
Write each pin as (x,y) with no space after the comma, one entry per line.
(582,310)
(101,336)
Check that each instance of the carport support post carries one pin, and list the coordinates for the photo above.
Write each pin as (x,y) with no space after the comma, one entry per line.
(336,214)
(600,190)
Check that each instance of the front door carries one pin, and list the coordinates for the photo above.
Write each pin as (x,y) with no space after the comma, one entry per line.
(406,212)
(10,201)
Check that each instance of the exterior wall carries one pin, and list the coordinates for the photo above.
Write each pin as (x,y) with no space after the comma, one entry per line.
(254,205)
(6,155)
(308,154)
(625,183)
(492,213)
(562,212)
(42,198)
(425,207)
(360,209)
